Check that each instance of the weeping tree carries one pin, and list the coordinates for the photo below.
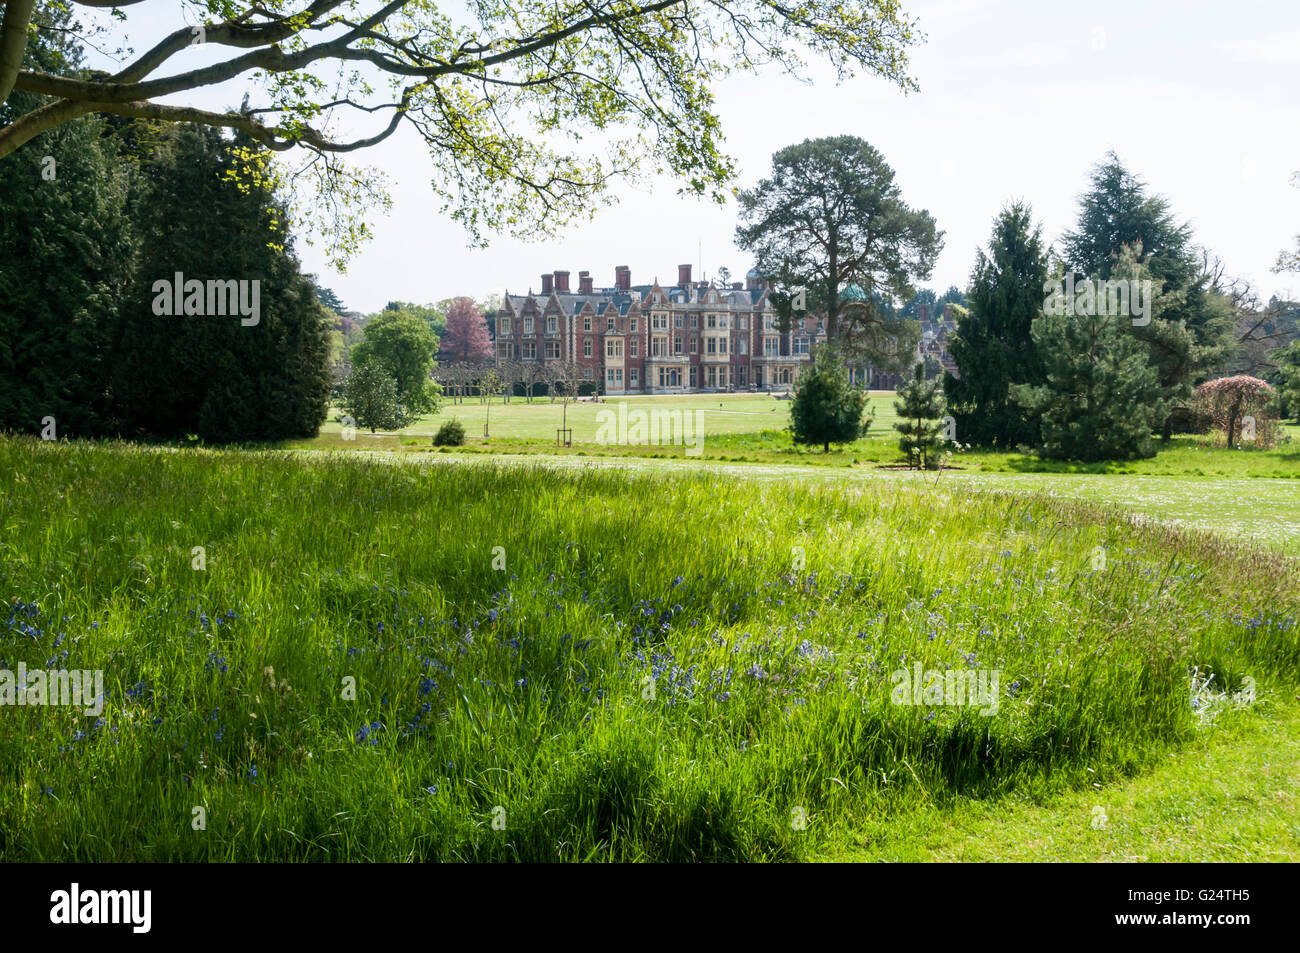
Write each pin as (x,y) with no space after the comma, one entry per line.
(504,95)
(1238,406)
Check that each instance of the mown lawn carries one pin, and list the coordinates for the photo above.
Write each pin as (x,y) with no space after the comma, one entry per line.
(1231,796)
(665,666)
(535,423)
(754,429)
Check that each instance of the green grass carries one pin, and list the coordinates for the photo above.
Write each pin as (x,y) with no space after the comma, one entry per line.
(1247,493)
(1264,512)
(528,689)
(1230,796)
(754,428)
(535,423)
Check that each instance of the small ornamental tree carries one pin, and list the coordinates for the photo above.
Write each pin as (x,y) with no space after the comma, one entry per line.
(490,384)
(1237,406)
(920,408)
(826,408)
(370,397)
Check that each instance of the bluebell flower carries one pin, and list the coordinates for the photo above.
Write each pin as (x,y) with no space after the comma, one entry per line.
(366,732)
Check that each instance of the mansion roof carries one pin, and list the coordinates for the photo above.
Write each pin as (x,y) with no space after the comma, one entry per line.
(638,298)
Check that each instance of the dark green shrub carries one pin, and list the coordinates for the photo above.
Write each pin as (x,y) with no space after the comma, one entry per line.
(450,434)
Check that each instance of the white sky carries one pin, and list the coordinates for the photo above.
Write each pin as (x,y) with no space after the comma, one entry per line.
(1019,98)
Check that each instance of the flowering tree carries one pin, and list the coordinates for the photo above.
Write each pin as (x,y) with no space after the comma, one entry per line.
(1236,404)
(466,338)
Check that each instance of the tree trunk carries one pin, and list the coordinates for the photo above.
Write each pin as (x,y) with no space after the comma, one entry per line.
(833,291)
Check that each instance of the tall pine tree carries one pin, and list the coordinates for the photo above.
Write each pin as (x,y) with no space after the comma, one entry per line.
(1192,335)
(993,347)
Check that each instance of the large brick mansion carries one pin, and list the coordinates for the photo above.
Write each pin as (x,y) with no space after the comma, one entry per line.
(691,336)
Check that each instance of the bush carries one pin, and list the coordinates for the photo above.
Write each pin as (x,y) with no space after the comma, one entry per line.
(825,407)
(450,434)
(370,397)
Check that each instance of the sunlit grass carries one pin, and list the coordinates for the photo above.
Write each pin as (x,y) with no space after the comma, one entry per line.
(668,666)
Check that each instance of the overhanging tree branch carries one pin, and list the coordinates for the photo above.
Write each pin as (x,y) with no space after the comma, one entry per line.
(502,94)
(13,41)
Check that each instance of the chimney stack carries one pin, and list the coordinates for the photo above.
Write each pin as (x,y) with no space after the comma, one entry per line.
(546,284)
(684,275)
(623,278)
(584,282)
(562,282)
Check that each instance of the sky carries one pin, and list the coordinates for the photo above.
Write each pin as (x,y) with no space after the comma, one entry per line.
(1018,100)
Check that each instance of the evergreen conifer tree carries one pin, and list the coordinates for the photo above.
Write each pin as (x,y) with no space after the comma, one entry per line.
(993,347)
(920,409)
(826,408)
